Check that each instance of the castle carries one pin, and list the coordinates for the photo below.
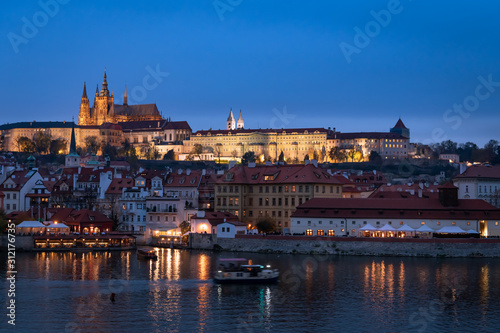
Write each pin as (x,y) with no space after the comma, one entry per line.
(106,111)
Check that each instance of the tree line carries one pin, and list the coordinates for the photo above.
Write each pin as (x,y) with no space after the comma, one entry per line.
(469,151)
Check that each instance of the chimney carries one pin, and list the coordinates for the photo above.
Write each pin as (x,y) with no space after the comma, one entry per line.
(203,172)
(448,195)
(251,165)
(188,172)
(315,163)
(179,171)
(419,192)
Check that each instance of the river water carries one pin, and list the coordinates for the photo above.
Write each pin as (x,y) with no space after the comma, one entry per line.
(70,292)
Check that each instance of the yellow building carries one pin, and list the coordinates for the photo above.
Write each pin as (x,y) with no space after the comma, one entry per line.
(250,192)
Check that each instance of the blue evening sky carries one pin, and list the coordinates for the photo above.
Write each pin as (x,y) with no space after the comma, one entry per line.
(283,63)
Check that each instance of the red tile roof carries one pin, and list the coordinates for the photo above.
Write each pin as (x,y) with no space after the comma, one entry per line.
(467,209)
(265,130)
(215,218)
(281,174)
(481,171)
(118,184)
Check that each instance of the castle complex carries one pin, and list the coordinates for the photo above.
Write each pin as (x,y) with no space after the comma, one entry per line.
(106,111)
(143,126)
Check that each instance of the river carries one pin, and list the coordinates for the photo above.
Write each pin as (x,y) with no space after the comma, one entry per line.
(70,292)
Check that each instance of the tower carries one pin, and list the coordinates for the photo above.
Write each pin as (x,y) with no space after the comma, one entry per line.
(103,104)
(125,102)
(231,122)
(401,129)
(84,112)
(240,124)
(72,159)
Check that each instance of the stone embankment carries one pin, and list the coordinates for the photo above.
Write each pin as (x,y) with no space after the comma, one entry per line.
(411,247)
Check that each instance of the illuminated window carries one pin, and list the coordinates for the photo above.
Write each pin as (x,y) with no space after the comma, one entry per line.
(438,223)
(320,232)
(453,223)
(331,232)
(422,223)
(468,223)
(309,232)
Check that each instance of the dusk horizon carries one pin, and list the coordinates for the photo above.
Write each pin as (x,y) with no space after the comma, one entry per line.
(356,67)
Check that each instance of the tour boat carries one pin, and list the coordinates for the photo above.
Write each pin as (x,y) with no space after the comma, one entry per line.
(147,254)
(237,270)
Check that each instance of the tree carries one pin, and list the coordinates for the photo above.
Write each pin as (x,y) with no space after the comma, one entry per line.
(25,145)
(110,150)
(234,154)
(218,151)
(375,158)
(315,155)
(169,156)
(306,157)
(465,151)
(185,227)
(92,144)
(265,224)
(248,157)
(58,146)
(196,151)
(491,149)
(352,154)
(281,158)
(42,141)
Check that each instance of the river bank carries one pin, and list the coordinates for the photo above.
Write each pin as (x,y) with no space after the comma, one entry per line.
(408,247)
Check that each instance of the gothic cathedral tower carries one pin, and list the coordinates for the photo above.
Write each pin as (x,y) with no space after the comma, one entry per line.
(103,104)
(231,122)
(84,112)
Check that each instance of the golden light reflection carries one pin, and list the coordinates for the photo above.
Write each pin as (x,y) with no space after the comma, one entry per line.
(204,305)
(203,267)
(484,285)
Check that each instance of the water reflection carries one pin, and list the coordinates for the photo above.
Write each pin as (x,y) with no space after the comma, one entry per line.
(175,293)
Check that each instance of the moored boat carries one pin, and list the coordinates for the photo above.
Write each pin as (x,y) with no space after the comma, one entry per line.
(147,254)
(237,270)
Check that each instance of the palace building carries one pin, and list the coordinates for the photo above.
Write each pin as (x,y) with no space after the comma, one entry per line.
(105,110)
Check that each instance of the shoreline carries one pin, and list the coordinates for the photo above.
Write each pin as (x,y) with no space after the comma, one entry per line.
(383,247)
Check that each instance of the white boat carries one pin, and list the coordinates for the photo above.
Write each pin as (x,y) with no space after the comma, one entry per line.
(237,270)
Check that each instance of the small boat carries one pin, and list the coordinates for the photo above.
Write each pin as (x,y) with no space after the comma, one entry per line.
(147,254)
(237,270)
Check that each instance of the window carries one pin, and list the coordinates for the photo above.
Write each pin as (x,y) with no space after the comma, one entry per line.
(166,218)
(293,202)
(250,201)
(331,232)
(279,201)
(422,223)
(320,222)
(236,201)
(14,195)
(438,223)
(293,188)
(320,232)
(309,232)
(274,201)
(286,201)
(250,213)
(308,222)
(453,223)
(353,222)
(298,222)
(260,201)
(223,229)
(14,206)
(466,188)
(267,189)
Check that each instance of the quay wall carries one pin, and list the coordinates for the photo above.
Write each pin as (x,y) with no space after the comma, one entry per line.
(23,243)
(354,246)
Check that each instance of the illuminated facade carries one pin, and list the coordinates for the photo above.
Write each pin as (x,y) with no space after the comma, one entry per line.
(105,110)
(252,192)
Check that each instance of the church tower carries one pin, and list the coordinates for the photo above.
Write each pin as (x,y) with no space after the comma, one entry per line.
(103,104)
(231,122)
(240,124)
(125,101)
(84,112)
(72,159)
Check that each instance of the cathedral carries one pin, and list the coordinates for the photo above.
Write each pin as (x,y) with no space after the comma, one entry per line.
(106,111)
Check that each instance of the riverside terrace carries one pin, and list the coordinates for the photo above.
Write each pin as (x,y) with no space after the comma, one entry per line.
(447,215)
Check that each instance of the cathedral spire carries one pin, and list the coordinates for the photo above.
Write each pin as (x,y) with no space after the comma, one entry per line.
(125,102)
(84,95)
(97,90)
(72,145)
(104,90)
(240,123)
